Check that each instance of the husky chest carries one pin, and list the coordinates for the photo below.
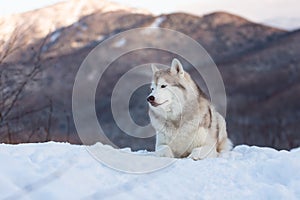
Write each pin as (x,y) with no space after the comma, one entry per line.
(186,123)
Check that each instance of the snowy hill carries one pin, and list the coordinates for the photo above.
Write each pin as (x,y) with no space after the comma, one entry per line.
(64,171)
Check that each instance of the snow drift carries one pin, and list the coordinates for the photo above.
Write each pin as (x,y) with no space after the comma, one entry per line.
(63,171)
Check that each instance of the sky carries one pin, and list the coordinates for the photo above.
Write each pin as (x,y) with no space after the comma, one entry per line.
(280,13)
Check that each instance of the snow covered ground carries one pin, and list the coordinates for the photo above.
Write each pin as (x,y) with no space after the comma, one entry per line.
(63,171)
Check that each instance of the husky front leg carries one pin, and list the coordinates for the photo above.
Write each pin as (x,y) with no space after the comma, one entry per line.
(164,151)
(203,152)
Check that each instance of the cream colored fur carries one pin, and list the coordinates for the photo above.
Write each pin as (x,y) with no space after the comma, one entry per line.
(186,123)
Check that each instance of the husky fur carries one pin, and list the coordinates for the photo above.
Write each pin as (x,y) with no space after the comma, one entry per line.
(186,123)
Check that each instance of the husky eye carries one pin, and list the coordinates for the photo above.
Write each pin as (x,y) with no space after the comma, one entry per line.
(152,89)
(163,86)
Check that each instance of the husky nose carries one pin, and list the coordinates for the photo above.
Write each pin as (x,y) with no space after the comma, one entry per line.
(151,98)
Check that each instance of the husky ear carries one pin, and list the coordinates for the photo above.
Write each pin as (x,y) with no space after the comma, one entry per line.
(154,68)
(176,68)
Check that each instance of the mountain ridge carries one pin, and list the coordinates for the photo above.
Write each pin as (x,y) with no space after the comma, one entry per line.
(256,62)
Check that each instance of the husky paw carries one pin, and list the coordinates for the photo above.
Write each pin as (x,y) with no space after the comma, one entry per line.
(164,151)
(196,154)
(202,153)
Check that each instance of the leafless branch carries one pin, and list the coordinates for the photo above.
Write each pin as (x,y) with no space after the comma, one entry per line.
(14,96)
(14,80)
(49,123)
(68,127)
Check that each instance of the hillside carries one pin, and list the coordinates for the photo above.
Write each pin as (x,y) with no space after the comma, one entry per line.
(259,65)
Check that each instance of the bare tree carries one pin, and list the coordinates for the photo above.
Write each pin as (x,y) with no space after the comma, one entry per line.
(15,78)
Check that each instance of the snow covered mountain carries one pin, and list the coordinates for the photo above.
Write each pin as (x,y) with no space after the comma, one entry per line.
(64,171)
(48,19)
(259,65)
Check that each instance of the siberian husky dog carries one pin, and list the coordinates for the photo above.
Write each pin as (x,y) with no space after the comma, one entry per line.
(186,123)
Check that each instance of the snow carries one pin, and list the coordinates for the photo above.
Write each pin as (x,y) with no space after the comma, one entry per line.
(100,38)
(63,171)
(120,43)
(157,22)
(55,36)
(81,25)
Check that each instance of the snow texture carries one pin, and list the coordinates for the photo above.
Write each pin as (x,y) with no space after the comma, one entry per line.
(52,40)
(63,171)
(120,43)
(55,36)
(157,22)
(100,38)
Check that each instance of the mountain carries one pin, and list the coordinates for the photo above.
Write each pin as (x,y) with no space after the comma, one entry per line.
(48,19)
(259,65)
(265,91)
(34,25)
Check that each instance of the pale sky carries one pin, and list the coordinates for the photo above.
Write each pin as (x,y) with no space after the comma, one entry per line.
(280,13)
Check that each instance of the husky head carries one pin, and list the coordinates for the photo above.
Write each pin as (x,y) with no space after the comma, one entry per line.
(170,89)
